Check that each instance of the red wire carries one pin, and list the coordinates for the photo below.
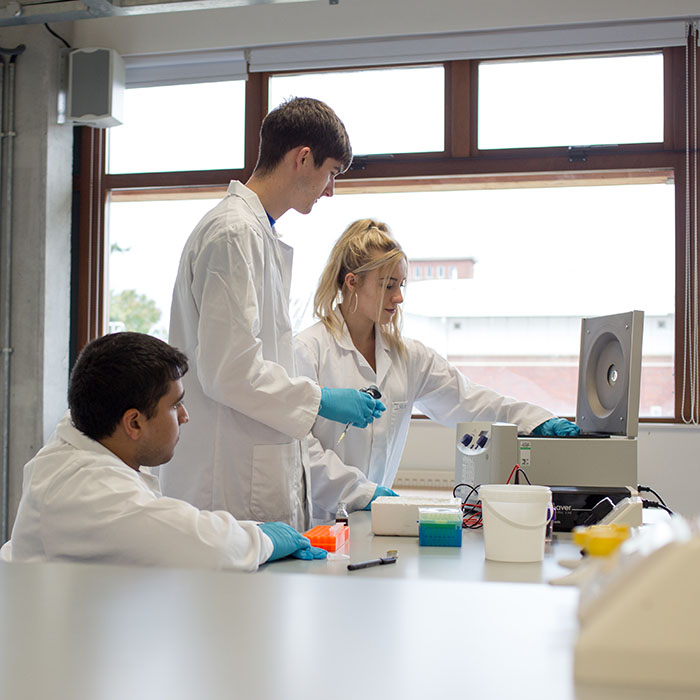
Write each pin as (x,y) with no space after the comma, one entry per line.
(515,469)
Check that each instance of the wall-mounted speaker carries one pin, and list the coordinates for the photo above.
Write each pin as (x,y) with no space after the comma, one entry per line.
(95,87)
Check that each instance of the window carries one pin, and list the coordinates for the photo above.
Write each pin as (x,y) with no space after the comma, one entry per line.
(180,127)
(568,102)
(516,325)
(551,235)
(507,327)
(146,240)
(395,110)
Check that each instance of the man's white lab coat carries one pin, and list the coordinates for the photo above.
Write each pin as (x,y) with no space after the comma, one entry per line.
(350,470)
(248,411)
(81,502)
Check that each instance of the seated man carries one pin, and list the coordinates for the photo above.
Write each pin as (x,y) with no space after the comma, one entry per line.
(88,494)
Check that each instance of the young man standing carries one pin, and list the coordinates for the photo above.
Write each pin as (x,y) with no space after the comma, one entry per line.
(250,413)
(88,494)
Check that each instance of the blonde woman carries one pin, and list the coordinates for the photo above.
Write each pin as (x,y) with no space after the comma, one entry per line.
(358,342)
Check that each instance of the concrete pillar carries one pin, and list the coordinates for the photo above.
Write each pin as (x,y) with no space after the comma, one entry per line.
(41,249)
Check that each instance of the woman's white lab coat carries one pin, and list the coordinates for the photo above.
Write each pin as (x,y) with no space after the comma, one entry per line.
(349,471)
(81,502)
(243,450)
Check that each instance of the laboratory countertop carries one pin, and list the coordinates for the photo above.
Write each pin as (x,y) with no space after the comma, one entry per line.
(90,632)
(465,563)
(436,624)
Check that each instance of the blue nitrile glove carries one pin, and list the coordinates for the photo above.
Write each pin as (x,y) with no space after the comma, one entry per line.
(310,553)
(379,408)
(349,406)
(287,542)
(556,426)
(380,491)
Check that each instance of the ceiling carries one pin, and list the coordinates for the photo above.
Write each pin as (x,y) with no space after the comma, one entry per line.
(15,12)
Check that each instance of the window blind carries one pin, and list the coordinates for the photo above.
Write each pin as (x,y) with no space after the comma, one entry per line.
(179,68)
(465,45)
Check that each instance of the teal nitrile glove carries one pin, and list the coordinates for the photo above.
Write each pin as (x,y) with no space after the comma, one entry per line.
(556,426)
(349,406)
(310,553)
(380,491)
(286,541)
(379,408)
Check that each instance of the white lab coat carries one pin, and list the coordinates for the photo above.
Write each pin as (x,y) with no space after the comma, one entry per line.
(249,412)
(349,471)
(81,502)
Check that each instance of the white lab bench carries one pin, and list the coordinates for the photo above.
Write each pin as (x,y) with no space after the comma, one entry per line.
(439,623)
(465,563)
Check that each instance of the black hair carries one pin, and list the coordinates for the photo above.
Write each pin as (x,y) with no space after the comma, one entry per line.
(303,121)
(118,372)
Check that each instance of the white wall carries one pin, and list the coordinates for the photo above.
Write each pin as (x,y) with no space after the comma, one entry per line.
(269,24)
(668,460)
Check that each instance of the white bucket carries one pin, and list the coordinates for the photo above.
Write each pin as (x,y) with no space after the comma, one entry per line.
(515,519)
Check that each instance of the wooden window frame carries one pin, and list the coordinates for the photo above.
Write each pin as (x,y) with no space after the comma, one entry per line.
(461,159)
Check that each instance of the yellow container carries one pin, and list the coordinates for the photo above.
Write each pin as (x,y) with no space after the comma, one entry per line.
(601,540)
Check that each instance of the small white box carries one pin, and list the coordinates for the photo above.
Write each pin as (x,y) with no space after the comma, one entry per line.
(399,516)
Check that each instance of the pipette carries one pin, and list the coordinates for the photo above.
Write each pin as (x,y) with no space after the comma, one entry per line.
(373,391)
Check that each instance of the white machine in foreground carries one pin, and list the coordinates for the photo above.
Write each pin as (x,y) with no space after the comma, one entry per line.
(639,613)
(607,412)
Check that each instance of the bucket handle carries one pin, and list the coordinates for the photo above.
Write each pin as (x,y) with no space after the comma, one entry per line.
(502,517)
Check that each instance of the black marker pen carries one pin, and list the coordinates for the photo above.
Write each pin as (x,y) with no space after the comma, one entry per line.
(373,562)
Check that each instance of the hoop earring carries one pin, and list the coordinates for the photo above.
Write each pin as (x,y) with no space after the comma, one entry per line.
(355,307)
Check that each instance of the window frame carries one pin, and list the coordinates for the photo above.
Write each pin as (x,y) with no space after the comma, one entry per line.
(460,159)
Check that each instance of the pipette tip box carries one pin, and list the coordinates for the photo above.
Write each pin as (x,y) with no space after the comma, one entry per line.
(440,527)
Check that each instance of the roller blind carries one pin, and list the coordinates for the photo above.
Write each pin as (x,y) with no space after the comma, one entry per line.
(148,70)
(482,44)
(145,70)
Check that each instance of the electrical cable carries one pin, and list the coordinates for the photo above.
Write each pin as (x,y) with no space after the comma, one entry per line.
(473,523)
(654,504)
(472,516)
(691,349)
(648,489)
(473,489)
(510,476)
(522,471)
(517,470)
(58,36)
(471,512)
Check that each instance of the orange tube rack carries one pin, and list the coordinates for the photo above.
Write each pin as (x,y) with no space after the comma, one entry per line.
(328,537)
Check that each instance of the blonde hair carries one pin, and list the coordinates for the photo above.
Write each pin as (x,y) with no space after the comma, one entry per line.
(364,245)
